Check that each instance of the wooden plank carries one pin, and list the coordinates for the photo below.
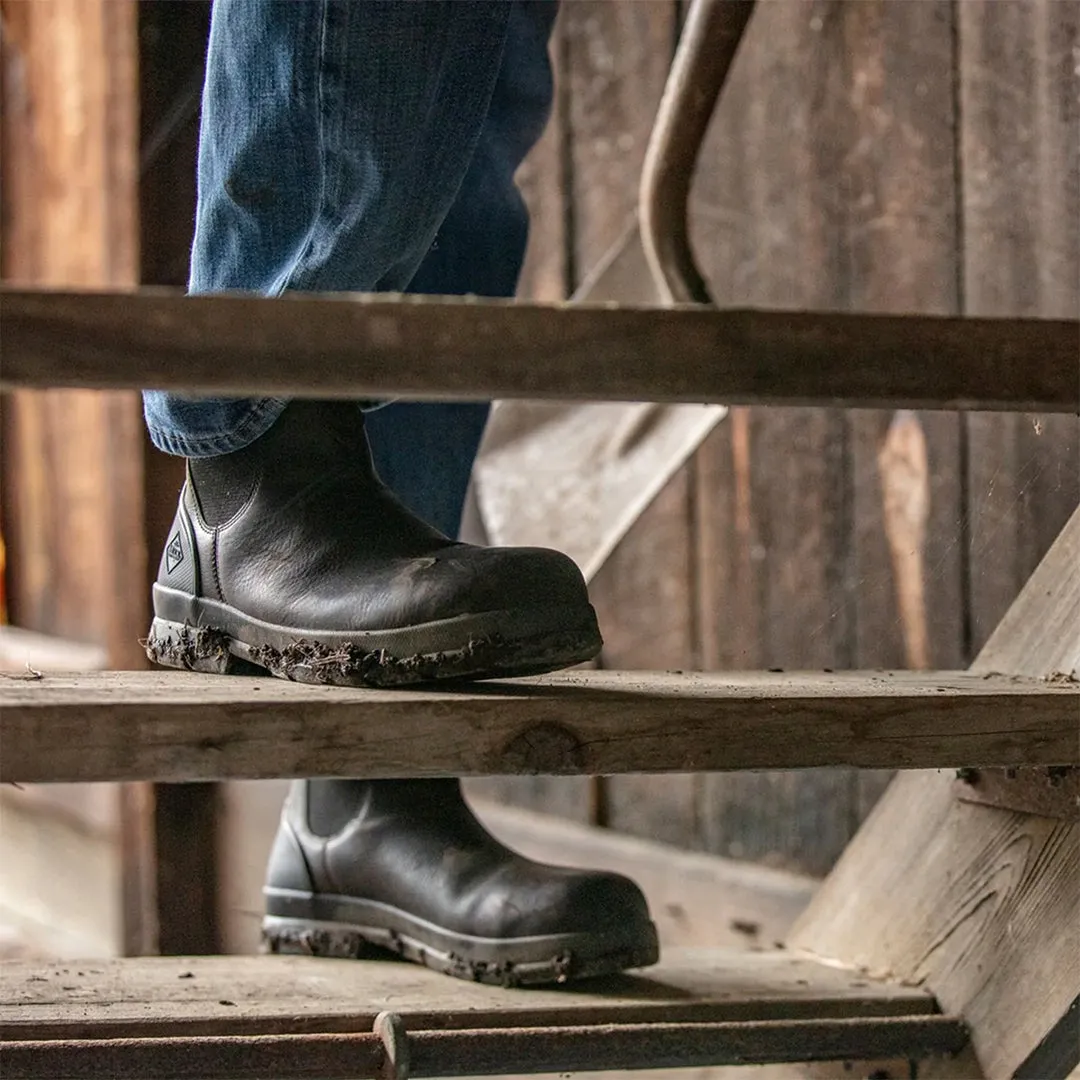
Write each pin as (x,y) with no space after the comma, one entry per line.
(483,1052)
(375,346)
(1020,142)
(771,497)
(176,726)
(980,905)
(277,994)
(617,59)
(901,237)
(544,277)
(1051,791)
(72,462)
(176,843)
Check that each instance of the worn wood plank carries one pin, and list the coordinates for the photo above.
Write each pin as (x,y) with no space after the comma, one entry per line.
(771,500)
(544,277)
(277,994)
(1020,142)
(982,906)
(72,463)
(618,57)
(901,238)
(175,726)
(355,346)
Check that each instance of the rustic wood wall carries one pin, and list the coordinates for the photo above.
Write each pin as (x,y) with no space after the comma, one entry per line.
(872,156)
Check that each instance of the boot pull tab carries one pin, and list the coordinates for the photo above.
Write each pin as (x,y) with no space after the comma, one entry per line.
(391,1031)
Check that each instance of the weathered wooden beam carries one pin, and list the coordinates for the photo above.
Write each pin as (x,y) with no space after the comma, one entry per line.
(178,726)
(152,997)
(377,346)
(981,905)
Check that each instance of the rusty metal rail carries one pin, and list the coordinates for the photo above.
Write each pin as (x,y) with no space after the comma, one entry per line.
(391,1053)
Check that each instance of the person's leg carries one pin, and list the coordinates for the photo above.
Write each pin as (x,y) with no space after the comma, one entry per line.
(283,517)
(335,138)
(425,451)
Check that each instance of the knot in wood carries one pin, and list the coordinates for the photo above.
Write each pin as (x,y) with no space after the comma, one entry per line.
(546,747)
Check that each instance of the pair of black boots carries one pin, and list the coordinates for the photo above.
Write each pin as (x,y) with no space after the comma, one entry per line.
(291,557)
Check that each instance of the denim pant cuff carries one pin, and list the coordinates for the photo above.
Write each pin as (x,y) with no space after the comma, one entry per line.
(236,423)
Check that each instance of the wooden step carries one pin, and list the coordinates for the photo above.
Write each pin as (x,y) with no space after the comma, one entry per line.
(224,1017)
(181,726)
(419,347)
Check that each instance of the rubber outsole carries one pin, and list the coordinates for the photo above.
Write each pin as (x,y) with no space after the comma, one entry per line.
(509,962)
(483,646)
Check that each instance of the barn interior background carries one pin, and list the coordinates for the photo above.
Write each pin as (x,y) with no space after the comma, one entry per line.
(883,156)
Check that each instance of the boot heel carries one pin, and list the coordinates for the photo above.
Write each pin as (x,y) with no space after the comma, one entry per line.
(194,648)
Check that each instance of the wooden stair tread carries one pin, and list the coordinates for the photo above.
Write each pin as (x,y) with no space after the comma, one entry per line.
(223,1018)
(278,994)
(420,347)
(154,725)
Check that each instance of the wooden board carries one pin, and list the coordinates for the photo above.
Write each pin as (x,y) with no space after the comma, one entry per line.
(176,726)
(72,462)
(846,205)
(617,58)
(1020,144)
(265,995)
(377,346)
(980,905)
(545,277)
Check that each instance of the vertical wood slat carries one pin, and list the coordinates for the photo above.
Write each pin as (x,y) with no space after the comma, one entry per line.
(828,185)
(171,829)
(1020,189)
(618,57)
(72,461)
(544,276)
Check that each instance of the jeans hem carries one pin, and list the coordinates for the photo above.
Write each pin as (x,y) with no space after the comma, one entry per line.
(257,422)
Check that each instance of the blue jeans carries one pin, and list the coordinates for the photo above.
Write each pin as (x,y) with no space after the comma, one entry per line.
(364,145)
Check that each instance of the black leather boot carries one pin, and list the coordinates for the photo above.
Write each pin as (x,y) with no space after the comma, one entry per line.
(404,865)
(293,556)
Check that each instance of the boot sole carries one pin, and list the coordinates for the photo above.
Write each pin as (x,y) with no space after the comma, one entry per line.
(196,634)
(371,927)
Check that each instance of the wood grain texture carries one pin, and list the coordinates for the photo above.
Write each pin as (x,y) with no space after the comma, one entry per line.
(376,346)
(545,277)
(72,461)
(904,572)
(1020,142)
(772,533)
(176,726)
(617,58)
(981,906)
(265,995)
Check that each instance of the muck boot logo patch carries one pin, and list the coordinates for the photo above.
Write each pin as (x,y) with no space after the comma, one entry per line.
(174,553)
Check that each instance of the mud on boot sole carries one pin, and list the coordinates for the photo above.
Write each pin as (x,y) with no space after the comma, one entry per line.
(211,637)
(509,963)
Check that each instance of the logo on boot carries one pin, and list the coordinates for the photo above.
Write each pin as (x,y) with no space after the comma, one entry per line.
(174,553)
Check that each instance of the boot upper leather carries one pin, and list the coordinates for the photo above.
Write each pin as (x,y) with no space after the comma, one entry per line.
(416,846)
(319,543)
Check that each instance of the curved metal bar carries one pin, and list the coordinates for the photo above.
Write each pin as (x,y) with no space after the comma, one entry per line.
(707,46)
